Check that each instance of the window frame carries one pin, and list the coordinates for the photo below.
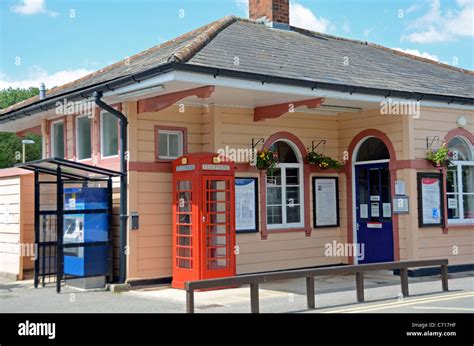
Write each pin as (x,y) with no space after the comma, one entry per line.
(101,135)
(52,142)
(460,194)
(76,128)
(283,167)
(181,131)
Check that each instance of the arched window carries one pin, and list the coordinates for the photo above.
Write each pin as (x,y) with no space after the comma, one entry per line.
(285,188)
(460,182)
(372,149)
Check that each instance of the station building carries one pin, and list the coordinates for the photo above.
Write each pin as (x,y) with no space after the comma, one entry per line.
(252,85)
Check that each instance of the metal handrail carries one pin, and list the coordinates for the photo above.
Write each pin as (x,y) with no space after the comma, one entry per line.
(255,279)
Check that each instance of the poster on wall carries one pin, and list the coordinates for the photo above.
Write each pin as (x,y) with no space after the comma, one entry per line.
(246,207)
(325,202)
(430,199)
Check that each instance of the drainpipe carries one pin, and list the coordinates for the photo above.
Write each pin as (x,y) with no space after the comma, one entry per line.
(123,181)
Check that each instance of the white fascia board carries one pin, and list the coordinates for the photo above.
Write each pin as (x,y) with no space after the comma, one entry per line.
(205,79)
(148,83)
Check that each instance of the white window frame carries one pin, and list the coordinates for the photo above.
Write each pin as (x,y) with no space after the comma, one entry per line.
(180,143)
(101,134)
(459,195)
(77,137)
(283,167)
(52,140)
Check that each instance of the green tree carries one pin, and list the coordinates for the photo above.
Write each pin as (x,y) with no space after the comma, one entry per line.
(11,149)
(10,143)
(10,96)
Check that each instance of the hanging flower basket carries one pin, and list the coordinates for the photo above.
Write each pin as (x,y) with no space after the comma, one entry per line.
(267,160)
(322,161)
(441,157)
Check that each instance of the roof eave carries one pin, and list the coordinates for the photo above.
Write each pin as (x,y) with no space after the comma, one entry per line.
(111,85)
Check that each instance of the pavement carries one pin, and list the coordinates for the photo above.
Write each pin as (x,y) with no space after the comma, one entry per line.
(333,295)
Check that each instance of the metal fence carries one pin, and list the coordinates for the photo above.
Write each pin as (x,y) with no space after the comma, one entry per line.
(255,279)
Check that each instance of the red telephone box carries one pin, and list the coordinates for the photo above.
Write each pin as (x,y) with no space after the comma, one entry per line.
(203,218)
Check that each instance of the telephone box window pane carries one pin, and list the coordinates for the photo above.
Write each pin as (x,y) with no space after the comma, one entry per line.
(184,218)
(184,241)
(184,263)
(218,229)
(184,185)
(217,264)
(217,218)
(184,229)
(184,202)
(185,252)
(217,252)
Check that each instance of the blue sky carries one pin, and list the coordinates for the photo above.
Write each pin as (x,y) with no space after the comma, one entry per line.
(57,41)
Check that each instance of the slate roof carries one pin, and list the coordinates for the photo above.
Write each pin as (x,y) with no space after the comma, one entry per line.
(242,45)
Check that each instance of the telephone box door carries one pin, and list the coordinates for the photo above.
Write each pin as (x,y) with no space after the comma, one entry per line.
(218,227)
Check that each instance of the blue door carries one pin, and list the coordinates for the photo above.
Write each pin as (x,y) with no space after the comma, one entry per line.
(374,213)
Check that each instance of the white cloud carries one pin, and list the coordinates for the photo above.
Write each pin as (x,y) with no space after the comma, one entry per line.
(29,7)
(38,75)
(437,25)
(303,17)
(346,26)
(367,31)
(242,5)
(418,53)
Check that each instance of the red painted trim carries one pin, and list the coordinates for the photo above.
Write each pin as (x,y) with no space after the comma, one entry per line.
(444,172)
(34,130)
(245,167)
(414,164)
(157,103)
(459,132)
(276,111)
(287,230)
(263,207)
(49,122)
(163,167)
(13,172)
(460,227)
(184,131)
(316,169)
(306,172)
(393,169)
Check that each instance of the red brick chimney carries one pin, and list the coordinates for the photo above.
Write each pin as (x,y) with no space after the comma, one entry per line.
(276,13)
